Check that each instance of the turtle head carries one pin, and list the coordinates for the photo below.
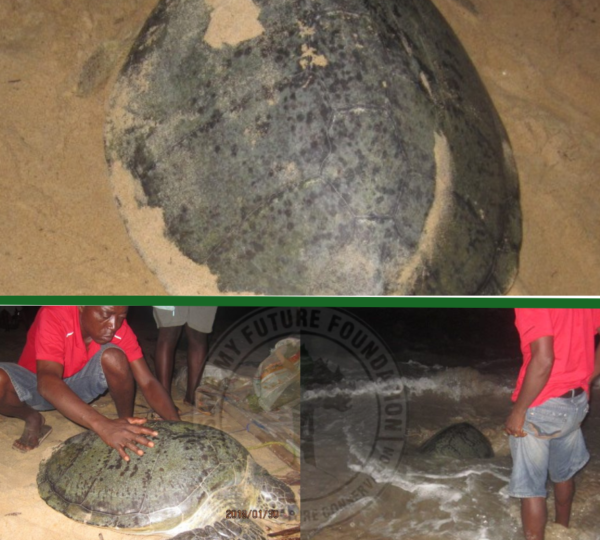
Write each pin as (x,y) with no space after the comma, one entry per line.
(275,498)
(280,507)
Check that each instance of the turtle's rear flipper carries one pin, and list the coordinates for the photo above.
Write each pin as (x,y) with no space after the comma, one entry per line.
(228,529)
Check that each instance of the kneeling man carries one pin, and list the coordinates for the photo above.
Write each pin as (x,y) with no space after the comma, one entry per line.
(73,355)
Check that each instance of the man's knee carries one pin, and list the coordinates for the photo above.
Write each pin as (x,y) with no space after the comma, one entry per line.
(195,336)
(169,335)
(114,360)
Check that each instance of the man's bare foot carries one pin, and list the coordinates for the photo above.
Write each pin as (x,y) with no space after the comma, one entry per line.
(34,433)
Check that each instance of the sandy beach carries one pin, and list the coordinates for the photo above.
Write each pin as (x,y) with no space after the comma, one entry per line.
(61,231)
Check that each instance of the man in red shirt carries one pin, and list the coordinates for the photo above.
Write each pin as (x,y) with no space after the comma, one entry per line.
(550,402)
(74,354)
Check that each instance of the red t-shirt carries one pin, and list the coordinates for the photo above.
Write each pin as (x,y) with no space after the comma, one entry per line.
(573,331)
(56,336)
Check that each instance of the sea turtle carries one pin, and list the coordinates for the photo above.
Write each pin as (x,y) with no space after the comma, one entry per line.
(462,441)
(312,147)
(196,479)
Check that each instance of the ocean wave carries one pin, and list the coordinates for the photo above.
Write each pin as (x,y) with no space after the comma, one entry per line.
(456,383)
(390,387)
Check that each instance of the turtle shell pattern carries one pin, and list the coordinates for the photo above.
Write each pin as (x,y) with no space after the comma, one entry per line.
(348,148)
(462,441)
(89,482)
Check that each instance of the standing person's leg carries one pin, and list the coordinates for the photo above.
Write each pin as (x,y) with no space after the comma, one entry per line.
(200,320)
(169,322)
(568,454)
(168,336)
(35,430)
(530,456)
(197,348)
(534,516)
(563,500)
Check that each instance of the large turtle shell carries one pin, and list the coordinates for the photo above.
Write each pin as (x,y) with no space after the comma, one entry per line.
(334,147)
(462,441)
(89,482)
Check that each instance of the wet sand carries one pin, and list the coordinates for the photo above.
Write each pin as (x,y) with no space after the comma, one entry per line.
(433,498)
(61,231)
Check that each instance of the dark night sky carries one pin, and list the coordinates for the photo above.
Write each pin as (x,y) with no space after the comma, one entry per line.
(467,333)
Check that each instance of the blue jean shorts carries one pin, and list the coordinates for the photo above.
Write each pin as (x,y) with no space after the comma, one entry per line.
(554,445)
(88,384)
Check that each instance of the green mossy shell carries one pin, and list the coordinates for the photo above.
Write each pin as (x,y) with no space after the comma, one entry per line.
(462,441)
(89,482)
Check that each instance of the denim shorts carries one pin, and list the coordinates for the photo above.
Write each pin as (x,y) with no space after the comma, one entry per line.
(88,384)
(554,445)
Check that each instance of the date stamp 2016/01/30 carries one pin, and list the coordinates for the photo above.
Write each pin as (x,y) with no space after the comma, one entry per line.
(251,514)
(260,514)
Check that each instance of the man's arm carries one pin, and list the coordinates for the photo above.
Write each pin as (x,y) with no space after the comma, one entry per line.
(154,392)
(536,377)
(119,434)
(596,363)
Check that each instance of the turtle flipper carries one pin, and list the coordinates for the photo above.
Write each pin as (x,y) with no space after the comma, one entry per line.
(227,529)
